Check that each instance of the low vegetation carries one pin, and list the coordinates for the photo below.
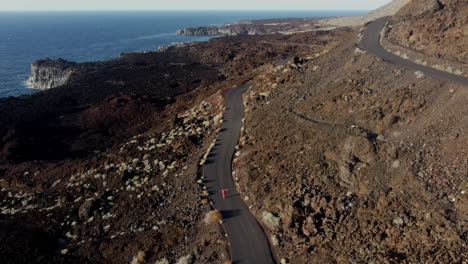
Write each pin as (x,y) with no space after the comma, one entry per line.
(213,216)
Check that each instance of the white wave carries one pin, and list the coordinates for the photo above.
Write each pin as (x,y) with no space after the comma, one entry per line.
(27,84)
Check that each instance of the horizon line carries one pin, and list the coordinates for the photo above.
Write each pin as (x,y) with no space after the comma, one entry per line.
(113,10)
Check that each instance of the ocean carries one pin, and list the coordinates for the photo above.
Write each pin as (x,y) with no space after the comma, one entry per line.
(101,35)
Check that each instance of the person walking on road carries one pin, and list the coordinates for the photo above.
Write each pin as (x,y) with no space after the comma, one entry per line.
(223,192)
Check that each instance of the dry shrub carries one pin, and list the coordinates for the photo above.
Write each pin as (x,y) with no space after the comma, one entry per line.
(213,216)
(185,260)
(139,258)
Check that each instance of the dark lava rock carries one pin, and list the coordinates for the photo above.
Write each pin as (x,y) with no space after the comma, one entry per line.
(35,244)
(86,209)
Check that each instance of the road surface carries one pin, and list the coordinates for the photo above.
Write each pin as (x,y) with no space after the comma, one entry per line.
(246,237)
(371,42)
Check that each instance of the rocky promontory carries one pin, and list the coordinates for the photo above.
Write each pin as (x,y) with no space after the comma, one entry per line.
(255,27)
(226,30)
(199,31)
(46,74)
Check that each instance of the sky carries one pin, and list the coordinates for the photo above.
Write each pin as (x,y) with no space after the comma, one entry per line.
(9,5)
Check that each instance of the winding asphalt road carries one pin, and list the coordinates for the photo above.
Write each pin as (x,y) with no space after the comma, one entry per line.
(246,237)
(371,43)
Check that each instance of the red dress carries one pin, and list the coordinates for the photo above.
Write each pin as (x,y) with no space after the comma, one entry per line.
(223,193)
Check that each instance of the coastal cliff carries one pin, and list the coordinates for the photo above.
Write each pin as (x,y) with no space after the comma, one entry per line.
(227,30)
(255,27)
(46,74)
(199,31)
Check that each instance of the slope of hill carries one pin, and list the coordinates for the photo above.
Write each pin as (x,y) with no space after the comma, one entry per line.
(105,168)
(438,28)
(358,160)
(386,10)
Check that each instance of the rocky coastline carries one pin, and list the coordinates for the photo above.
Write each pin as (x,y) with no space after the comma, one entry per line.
(230,30)
(256,27)
(46,74)
(199,31)
(175,45)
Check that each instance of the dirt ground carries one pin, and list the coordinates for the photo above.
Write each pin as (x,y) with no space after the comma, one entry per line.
(105,168)
(374,158)
(432,27)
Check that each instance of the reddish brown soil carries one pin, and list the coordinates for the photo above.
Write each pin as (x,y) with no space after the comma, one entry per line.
(105,168)
(432,27)
(374,160)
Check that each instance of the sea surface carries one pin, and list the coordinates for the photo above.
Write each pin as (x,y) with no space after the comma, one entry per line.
(101,35)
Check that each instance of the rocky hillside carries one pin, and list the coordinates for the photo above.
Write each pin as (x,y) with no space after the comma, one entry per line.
(433,27)
(373,157)
(104,169)
(343,158)
(387,10)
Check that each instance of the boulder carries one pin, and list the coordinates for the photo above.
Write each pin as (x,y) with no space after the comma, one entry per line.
(86,209)
(359,147)
(430,6)
(309,227)
(356,151)
(398,221)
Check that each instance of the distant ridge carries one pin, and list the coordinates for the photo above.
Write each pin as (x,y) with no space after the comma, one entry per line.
(387,10)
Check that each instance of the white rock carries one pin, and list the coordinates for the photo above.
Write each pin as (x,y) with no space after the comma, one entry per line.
(274,240)
(398,220)
(396,164)
(271,220)
(419,74)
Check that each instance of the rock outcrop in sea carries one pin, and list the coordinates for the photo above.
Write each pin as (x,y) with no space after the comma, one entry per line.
(46,74)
